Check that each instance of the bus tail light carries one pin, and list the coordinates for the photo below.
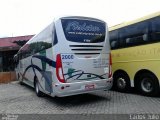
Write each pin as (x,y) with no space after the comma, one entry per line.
(59,70)
(110,66)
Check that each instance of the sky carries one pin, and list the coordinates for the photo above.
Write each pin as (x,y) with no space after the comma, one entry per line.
(27,17)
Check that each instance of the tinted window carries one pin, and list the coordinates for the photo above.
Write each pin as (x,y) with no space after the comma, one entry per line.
(55,40)
(24,52)
(39,43)
(156,24)
(83,31)
(155,29)
(113,35)
(132,35)
(140,33)
(136,34)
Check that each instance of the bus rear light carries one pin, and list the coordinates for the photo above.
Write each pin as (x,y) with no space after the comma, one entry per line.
(110,66)
(59,70)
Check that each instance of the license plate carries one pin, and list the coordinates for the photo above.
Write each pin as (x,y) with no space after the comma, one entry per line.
(89,87)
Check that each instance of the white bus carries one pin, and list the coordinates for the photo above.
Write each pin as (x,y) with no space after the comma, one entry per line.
(70,56)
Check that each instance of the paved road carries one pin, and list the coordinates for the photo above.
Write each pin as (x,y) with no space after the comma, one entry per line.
(21,99)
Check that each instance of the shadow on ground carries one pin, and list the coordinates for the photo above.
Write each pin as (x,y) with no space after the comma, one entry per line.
(134,91)
(75,100)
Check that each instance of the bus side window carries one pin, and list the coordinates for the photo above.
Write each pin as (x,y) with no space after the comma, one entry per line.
(113,36)
(136,34)
(55,41)
(122,36)
(155,29)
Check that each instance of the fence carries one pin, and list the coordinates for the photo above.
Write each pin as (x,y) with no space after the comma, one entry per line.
(6,77)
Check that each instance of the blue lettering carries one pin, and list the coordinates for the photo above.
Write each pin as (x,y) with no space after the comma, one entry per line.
(67,57)
(75,26)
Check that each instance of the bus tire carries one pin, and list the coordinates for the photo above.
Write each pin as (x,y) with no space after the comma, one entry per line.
(148,84)
(37,90)
(21,83)
(121,82)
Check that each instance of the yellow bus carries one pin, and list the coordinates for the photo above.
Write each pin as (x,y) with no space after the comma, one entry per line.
(136,55)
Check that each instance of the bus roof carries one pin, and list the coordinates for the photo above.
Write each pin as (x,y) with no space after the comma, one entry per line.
(81,17)
(134,21)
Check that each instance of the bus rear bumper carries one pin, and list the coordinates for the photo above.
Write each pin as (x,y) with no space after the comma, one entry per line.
(68,89)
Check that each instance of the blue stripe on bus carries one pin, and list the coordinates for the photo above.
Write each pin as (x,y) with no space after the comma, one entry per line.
(42,73)
(44,59)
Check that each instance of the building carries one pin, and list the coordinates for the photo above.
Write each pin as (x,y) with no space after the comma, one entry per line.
(9,46)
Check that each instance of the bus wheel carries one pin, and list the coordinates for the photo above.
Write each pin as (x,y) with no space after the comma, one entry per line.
(21,83)
(148,84)
(37,90)
(121,82)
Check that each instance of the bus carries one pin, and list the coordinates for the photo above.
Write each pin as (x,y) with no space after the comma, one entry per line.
(135,49)
(70,56)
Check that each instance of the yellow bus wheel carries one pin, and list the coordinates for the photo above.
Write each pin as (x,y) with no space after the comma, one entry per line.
(148,84)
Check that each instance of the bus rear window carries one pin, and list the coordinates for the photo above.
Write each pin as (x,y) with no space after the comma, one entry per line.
(83,31)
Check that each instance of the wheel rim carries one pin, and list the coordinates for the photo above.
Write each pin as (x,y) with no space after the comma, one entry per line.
(146,85)
(121,83)
(37,88)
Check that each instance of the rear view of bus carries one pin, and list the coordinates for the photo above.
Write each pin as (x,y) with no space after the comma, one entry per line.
(83,61)
(70,56)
